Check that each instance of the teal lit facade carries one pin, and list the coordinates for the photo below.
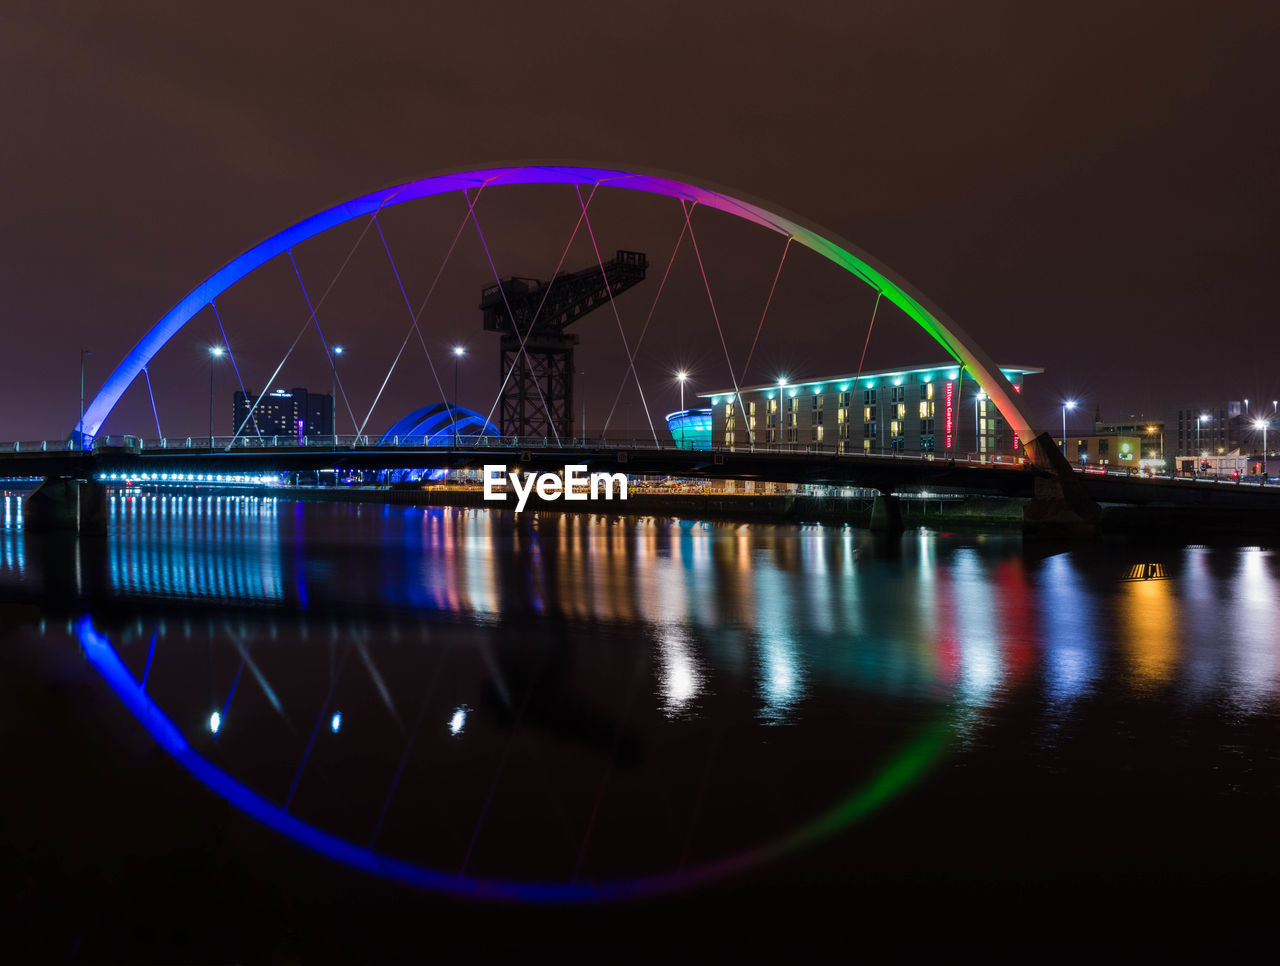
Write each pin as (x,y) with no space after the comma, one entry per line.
(690,428)
(936,409)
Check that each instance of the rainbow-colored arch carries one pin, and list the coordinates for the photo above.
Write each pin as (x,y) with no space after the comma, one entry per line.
(896,289)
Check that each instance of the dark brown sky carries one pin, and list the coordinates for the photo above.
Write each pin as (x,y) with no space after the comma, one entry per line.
(1090,187)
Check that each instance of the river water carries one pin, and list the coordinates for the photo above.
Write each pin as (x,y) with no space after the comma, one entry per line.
(246,728)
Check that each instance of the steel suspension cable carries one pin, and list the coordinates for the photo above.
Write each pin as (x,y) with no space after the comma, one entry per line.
(560,264)
(235,368)
(159,434)
(652,308)
(863,358)
(301,331)
(688,212)
(769,301)
(511,315)
(413,327)
(413,319)
(613,305)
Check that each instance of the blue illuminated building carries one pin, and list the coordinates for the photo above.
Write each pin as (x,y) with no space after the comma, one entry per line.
(434,426)
(690,428)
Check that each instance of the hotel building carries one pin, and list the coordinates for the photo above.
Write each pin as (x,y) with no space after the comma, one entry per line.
(936,409)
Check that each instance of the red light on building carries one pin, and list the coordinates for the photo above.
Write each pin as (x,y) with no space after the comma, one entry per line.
(950,413)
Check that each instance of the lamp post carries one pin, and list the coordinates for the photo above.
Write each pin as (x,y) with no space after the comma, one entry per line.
(1263,424)
(682,377)
(333,395)
(782,409)
(1199,453)
(1066,404)
(83,353)
(215,352)
(458,353)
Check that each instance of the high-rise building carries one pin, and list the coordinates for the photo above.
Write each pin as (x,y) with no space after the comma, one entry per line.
(283,412)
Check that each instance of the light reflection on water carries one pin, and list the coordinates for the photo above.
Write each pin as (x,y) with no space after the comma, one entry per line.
(611,645)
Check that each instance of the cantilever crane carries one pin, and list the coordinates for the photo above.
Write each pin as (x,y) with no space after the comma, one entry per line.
(544,371)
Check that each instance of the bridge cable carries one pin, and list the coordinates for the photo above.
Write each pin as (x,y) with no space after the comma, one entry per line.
(874,309)
(511,315)
(661,285)
(235,368)
(769,301)
(618,318)
(560,264)
(333,365)
(301,331)
(154,412)
(413,319)
(688,212)
(414,327)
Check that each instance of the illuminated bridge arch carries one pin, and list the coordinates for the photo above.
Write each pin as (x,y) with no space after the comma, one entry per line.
(897,290)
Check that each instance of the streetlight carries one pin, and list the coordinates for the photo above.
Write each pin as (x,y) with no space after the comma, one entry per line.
(215,352)
(1263,424)
(83,353)
(458,353)
(681,378)
(333,395)
(1067,404)
(782,382)
(1199,452)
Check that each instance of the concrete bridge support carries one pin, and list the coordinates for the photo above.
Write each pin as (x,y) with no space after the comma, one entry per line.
(886,514)
(61,503)
(1061,506)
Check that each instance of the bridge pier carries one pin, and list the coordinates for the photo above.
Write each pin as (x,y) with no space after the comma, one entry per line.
(886,514)
(63,503)
(1060,507)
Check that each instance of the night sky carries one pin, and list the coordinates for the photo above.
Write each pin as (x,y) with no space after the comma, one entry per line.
(1088,187)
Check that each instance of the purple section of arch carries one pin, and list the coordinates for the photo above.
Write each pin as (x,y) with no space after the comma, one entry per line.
(950,336)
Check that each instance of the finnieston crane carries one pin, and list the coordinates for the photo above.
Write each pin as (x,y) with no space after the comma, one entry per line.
(544,370)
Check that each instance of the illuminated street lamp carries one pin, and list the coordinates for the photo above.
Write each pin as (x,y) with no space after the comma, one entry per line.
(458,353)
(333,394)
(1199,452)
(215,353)
(682,377)
(1263,425)
(1067,404)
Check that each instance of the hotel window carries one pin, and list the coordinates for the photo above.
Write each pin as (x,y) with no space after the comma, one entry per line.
(869,397)
(897,394)
(926,444)
(895,427)
(751,415)
(844,400)
(900,410)
(926,391)
(927,409)
(866,446)
(817,401)
(771,435)
(773,405)
(817,418)
(868,413)
(792,434)
(817,433)
(869,430)
(842,415)
(926,427)
(844,431)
